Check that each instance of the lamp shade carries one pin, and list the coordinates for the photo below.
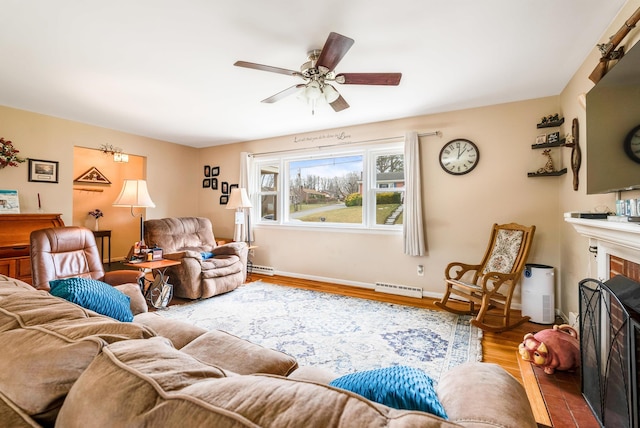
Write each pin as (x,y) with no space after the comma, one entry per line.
(134,194)
(239,199)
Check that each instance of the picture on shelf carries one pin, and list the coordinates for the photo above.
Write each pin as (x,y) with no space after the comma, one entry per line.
(553,138)
(541,139)
(9,202)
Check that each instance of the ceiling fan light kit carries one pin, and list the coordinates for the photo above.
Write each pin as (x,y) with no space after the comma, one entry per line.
(319,70)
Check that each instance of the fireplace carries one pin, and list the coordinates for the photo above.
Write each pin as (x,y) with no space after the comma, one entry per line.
(610,322)
(610,347)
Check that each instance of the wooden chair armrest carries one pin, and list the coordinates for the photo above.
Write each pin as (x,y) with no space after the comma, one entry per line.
(492,281)
(457,270)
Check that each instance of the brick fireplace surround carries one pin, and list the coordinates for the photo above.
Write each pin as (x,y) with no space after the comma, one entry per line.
(616,245)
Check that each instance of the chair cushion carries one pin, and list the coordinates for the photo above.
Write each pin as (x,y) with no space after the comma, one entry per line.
(95,295)
(399,387)
(505,251)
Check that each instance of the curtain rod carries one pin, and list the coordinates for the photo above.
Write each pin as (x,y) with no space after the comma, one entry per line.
(378,140)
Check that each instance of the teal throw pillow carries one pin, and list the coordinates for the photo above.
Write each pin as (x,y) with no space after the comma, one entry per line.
(95,295)
(400,387)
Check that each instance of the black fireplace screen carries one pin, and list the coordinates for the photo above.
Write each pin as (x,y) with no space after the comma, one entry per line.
(609,341)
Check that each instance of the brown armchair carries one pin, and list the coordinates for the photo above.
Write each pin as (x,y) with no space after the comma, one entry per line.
(66,252)
(206,269)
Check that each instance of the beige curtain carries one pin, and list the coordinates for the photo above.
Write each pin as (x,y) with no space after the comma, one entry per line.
(245,179)
(413,229)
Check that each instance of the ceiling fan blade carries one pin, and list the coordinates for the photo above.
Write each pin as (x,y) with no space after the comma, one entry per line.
(269,68)
(369,78)
(283,94)
(334,50)
(339,104)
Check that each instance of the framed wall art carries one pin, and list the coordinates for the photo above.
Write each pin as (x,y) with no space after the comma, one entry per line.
(224,199)
(9,202)
(225,187)
(43,171)
(92,175)
(541,139)
(206,183)
(215,171)
(214,184)
(207,170)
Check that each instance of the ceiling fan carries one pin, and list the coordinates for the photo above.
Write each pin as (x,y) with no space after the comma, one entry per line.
(319,71)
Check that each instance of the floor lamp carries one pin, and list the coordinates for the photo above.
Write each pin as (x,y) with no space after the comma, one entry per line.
(239,200)
(134,194)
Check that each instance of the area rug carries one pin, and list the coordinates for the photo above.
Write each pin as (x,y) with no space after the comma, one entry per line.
(339,333)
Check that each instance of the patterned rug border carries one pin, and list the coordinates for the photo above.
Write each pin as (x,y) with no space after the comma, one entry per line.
(384,334)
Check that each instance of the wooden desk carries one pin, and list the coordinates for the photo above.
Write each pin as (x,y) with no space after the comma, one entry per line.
(103,234)
(15,232)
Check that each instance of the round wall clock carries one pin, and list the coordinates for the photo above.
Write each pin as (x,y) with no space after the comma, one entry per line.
(632,144)
(459,156)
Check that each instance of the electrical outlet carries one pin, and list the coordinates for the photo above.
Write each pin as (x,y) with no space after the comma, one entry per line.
(420,270)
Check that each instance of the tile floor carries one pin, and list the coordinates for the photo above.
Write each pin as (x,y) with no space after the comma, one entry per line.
(564,401)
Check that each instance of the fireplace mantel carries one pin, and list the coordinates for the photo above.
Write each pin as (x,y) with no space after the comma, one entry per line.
(624,234)
(621,239)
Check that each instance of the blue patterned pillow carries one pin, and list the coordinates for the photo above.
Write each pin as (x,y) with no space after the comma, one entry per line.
(399,387)
(95,295)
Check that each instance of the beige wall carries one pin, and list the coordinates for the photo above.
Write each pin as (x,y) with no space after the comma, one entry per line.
(172,179)
(459,210)
(576,261)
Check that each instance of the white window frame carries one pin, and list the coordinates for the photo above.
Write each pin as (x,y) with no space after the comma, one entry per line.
(369,154)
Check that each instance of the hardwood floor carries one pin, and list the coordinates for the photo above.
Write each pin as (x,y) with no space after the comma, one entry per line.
(498,348)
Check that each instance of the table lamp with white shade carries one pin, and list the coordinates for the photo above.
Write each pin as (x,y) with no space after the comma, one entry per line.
(239,200)
(134,194)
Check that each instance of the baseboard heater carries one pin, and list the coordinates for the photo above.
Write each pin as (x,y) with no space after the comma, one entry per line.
(402,290)
(262,270)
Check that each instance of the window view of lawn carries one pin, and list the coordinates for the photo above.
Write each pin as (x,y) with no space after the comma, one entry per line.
(346,214)
(361,188)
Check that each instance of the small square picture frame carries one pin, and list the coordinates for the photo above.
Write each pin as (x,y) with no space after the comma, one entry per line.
(554,137)
(225,187)
(541,139)
(215,171)
(224,199)
(214,184)
(43,171)
(206,183)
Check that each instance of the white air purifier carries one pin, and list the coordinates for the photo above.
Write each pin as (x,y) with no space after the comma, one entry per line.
(538,301)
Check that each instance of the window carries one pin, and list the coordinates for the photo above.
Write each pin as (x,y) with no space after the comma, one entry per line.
(362,188)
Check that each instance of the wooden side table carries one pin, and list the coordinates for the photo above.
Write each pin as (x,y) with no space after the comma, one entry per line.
(158,292)
(103,234)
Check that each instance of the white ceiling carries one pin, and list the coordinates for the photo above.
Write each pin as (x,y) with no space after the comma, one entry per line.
(164,68)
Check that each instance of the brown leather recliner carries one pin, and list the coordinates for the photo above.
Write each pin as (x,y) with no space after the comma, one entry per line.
(66,252)
(206,269)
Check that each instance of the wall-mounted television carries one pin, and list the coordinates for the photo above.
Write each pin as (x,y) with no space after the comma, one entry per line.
(613,110)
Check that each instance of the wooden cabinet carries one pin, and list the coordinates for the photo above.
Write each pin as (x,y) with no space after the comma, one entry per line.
(15,230)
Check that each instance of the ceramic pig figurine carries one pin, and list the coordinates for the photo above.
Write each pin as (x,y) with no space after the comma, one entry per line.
(552,349)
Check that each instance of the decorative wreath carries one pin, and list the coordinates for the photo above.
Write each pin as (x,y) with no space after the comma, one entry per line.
(9,154)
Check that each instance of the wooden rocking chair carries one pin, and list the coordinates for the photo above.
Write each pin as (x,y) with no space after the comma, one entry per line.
(491,283)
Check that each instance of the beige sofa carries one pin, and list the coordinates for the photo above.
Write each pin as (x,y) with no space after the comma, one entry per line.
(64,366)
(186,239)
